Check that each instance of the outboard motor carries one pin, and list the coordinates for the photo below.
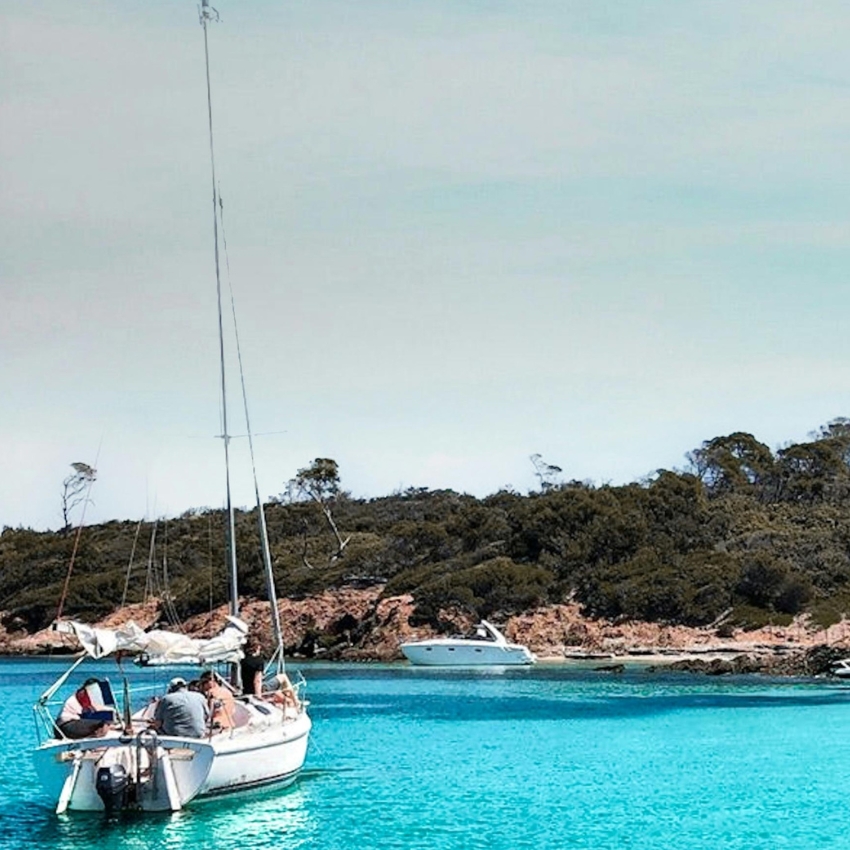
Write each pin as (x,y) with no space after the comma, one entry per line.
(112,784)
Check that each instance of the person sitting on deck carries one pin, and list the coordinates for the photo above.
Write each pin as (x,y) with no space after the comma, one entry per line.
(181,712)
(219,699)
(85,713)
(283,692)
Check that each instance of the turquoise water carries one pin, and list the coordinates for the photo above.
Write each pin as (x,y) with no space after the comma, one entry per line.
(547,757)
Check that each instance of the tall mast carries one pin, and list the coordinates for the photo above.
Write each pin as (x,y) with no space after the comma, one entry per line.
(208,14)
(268,569)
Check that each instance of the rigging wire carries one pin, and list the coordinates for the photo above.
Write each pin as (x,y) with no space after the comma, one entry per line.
(277,631)
(86,499)
(63,598)
(167,596)
(150,577)
(130,565)
(210,560)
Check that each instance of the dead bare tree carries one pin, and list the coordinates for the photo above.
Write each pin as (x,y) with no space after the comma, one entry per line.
(320,483)
(546,473)
(75,490)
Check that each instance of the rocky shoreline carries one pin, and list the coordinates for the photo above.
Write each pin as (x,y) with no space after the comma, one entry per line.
(350,624)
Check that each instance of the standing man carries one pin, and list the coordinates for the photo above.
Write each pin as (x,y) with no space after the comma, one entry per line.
(252,667)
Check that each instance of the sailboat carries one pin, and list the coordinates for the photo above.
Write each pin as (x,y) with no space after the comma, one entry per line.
(120,757)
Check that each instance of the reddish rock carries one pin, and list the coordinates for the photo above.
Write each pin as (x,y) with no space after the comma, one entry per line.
(359,624)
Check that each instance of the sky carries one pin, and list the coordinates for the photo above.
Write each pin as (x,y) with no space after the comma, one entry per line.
(458,233)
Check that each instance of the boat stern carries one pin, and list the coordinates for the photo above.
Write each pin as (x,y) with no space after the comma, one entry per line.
(140,773)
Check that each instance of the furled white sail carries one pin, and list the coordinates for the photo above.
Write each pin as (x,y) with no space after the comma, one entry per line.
(160,646)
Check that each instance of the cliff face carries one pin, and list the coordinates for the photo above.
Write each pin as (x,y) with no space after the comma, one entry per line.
(344,624)
(361,625)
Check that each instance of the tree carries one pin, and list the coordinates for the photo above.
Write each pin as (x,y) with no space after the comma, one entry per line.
(75,489)
(813,472)
(733,464)
(817,471)
(320,482)
(770,582)
(546,473)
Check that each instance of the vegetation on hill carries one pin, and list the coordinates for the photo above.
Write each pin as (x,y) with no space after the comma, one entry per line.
(744,535)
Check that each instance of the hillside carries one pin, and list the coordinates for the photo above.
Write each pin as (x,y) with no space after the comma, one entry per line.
(743,538)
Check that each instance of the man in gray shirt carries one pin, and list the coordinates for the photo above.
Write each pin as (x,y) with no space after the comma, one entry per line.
(182,712)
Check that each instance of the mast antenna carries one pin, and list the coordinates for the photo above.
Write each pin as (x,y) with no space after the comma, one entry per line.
(207,13)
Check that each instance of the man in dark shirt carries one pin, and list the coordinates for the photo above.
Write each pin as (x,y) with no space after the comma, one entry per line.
(251,668)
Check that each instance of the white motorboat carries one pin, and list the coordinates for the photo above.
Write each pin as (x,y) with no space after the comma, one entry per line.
(841,668)
(123,760)
(488,646)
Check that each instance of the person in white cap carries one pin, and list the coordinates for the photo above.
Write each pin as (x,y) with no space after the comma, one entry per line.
(181,712)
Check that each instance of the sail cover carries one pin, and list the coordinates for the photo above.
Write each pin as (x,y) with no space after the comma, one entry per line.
(160,646)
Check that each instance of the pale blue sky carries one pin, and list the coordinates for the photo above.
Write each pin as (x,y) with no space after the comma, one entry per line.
(459,233)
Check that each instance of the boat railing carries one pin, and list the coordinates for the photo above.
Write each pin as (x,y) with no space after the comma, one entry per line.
(45,727)
(286,691)
(299,686)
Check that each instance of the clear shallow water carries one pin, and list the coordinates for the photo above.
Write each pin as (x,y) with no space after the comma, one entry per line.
(511,759)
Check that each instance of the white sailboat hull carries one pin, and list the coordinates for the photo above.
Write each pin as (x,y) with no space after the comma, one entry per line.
(252,758)
(169,772)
